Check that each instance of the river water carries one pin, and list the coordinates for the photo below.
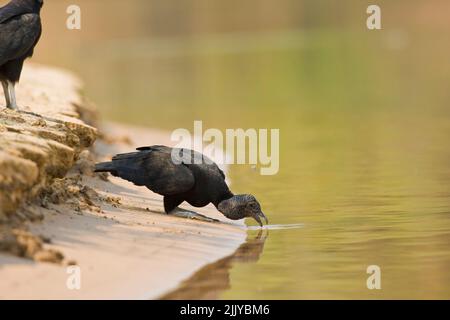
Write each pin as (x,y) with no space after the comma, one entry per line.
(364,123)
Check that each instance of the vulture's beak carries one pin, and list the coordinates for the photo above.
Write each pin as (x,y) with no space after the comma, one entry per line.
(258,217)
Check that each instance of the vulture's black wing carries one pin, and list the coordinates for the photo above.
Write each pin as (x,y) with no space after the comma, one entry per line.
(20,30)
(151,167)
(9,11)
(189,157)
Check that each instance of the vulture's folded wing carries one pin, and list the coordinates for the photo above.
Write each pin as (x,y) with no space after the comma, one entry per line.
(153,168)
(18,35)
(10,11)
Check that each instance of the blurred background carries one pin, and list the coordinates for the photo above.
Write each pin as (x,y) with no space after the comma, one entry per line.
(364,119)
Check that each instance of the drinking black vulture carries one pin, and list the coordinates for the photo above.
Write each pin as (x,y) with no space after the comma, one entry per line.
(20,30)
(182,175)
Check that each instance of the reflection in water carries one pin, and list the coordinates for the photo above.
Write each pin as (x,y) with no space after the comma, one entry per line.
(212,280)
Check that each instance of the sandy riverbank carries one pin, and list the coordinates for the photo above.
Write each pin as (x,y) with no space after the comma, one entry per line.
(118,235)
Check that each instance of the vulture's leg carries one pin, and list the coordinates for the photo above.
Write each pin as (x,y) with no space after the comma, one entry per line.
(5,90)
(171,204)
(10,94)
(182,213)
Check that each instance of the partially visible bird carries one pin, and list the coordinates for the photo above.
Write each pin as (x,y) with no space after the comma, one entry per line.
(183,175)
(20,30)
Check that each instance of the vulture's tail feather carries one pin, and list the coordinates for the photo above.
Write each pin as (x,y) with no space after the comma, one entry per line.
(104,167)
(128,166)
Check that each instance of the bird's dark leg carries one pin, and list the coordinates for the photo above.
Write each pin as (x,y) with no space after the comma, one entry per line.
(10,97)
(6,91)
(10,94)
(171,204)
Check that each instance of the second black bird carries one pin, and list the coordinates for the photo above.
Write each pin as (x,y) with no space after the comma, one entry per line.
(182,175)
(20,30)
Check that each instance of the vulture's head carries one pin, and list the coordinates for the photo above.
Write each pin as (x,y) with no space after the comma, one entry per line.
(242,206)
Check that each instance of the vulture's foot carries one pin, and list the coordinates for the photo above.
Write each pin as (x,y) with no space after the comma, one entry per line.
(10,107)
(30,113)
(182,213)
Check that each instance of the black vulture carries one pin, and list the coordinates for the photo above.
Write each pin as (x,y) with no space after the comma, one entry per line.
(182,175)
(20,30)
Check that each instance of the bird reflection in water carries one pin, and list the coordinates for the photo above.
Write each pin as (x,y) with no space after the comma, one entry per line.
(211,281)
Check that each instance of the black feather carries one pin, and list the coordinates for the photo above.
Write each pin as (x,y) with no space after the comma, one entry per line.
(20,31)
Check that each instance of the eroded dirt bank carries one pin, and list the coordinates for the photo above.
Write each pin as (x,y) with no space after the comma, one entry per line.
(57,213)
(36,148)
